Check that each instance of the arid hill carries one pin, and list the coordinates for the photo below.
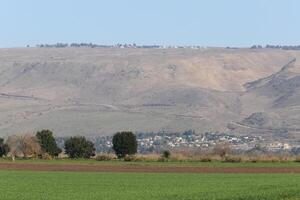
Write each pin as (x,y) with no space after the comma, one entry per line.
(95,91)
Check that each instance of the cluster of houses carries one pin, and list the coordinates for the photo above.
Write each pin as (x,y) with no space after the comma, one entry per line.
(156,142)
(192,140)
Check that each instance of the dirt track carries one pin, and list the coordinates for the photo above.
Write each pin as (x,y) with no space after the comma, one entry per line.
(144,169)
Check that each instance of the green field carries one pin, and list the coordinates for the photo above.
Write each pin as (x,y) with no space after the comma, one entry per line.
(25,185)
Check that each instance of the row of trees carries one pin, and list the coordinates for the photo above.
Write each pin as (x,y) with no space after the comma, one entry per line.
(43,144)
(284,47)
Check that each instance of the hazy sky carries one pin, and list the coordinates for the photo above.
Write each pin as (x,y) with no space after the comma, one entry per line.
(170,22)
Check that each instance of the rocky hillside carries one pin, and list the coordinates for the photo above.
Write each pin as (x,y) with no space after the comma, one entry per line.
(100,91)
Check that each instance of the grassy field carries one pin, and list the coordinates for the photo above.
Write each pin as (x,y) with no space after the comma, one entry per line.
(25,185)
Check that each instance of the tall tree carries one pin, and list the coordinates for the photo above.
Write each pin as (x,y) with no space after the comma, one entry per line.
(124,143)
(79,147)
(48,143)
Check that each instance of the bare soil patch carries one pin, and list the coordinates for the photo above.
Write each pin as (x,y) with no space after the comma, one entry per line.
(144,169)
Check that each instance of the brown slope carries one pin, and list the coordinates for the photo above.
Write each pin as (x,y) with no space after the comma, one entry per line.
(87,91)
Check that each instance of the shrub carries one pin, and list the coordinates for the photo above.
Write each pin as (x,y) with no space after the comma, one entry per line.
(232,159)
(166,154)
(3,148)
(254,160)
(79,147)
(124,143)
(46,156)
(297,159)
(129,158)
(205,159)
(139,158)
(23,145)
(47,142)
(104,157)
(179,157)
(150,157)
(161,159)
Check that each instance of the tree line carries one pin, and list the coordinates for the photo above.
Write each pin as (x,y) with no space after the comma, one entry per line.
(43,145)
(283,47)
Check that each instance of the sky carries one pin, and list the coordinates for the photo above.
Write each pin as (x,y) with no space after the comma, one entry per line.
(221,23)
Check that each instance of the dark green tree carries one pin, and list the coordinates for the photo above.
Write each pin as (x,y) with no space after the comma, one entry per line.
(48,143)
(124,143)
(3,148)
(79,147)
(166,154)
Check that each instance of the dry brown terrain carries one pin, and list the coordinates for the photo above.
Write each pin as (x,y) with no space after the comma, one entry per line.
(100,91)
(144,169)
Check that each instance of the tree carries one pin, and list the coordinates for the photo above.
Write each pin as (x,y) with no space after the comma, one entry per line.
(47,142)
(79,147)
(3,148)
(23,145)
(166,154)
(124,143)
